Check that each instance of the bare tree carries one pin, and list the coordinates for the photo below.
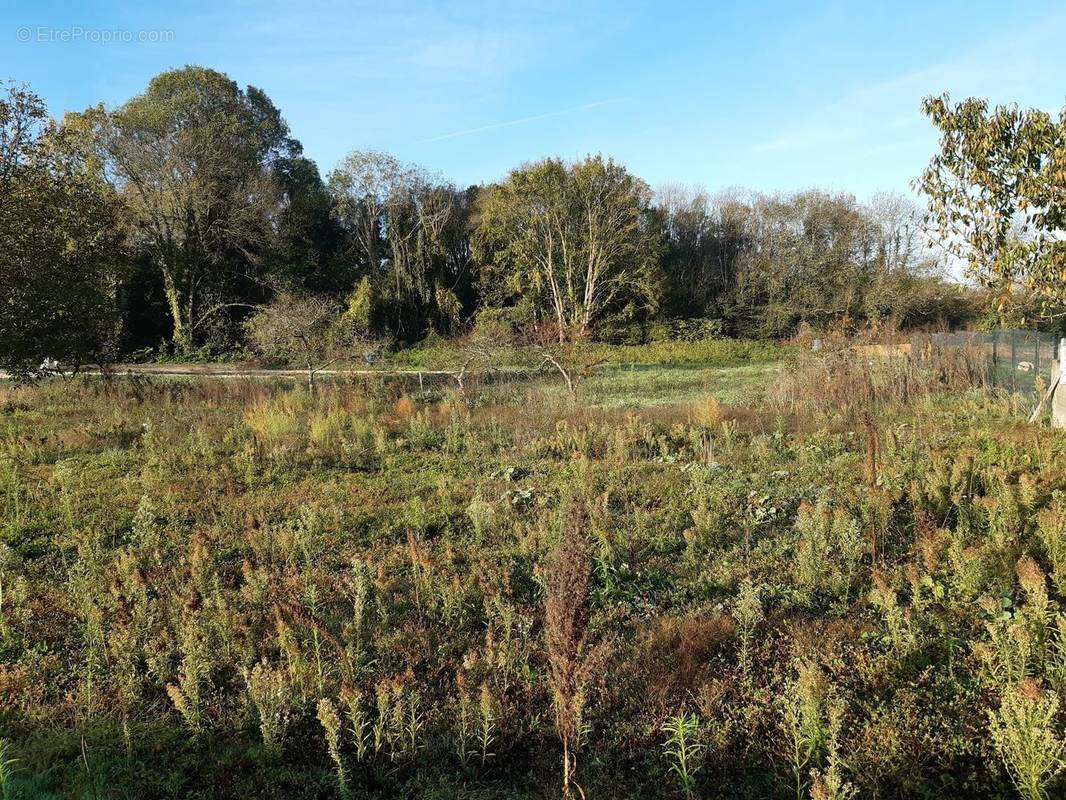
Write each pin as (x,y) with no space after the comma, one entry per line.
(570,361)
(900,240)
(305,329)
(363,186)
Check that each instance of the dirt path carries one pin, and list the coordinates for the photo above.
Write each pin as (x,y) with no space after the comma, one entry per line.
(251,371)
(242,371)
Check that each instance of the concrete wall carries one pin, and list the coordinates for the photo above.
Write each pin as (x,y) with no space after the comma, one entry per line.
(1058,400)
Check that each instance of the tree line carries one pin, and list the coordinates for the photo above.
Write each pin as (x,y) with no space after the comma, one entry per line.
(177,220)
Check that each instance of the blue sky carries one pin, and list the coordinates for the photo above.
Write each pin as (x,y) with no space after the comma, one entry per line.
(767,95)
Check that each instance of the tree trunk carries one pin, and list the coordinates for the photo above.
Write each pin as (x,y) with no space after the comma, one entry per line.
(181,335)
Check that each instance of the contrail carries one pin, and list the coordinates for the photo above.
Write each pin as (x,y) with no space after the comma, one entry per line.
(510,123)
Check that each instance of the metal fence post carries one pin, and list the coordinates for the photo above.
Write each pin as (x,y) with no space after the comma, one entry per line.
(1013,362)
(995,354)
(1036,359)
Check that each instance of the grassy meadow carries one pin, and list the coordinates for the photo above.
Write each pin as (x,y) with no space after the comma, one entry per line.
(744,574)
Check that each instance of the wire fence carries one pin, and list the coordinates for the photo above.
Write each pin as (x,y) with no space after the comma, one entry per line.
(1018,359)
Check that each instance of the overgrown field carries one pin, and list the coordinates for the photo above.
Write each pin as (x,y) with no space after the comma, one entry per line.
(838,581)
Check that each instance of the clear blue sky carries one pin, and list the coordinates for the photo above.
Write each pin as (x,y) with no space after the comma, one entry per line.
(768,95)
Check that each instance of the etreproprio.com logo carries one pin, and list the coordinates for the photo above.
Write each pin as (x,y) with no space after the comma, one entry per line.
(77,33)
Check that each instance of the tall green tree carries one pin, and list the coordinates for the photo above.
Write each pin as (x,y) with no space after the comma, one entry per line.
(765,265)
(194,157)
(572,242)
(60,241)
(997,196)
(813,259)
(306,251)
(410,232)
(703,237)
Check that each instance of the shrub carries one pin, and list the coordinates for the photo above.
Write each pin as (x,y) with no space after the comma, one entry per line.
(271,695)
(805,724)
(1024,733)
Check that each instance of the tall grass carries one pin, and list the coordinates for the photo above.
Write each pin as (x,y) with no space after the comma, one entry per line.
(8,768)
(847,383)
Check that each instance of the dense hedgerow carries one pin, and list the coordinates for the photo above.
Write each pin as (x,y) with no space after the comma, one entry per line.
(234,589)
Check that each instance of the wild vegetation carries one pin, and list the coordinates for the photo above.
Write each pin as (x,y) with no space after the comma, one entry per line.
(838,584)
